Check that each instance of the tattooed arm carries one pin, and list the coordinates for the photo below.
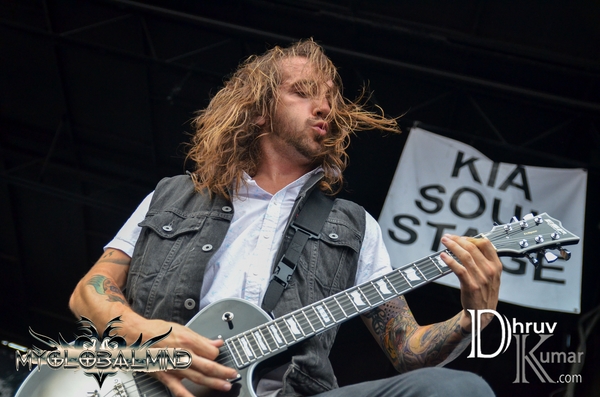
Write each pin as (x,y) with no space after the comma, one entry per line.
(410,346)
(98,295)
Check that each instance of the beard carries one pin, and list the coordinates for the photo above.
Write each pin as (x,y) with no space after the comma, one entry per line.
(299,138)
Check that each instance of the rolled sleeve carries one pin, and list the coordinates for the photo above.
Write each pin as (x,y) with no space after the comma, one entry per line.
(129,233)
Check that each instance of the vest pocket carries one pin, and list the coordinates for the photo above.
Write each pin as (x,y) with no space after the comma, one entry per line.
(170,224)
(331,260)
(164,236)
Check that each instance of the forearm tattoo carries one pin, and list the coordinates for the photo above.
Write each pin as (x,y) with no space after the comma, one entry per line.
(105,286)
(410,346)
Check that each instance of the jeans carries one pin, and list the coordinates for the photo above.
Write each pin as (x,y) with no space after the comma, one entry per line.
(424,382)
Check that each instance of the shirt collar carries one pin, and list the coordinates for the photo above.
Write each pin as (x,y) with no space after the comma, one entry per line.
(251,189)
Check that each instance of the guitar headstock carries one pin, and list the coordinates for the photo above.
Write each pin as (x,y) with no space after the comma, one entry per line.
(533,237)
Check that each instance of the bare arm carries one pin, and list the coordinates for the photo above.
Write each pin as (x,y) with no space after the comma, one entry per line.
(410,346)
(102,285)
(98,296)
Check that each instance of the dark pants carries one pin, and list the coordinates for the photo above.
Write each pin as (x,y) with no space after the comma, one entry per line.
(423,382)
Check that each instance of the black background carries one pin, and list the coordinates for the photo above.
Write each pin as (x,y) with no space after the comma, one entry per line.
(96,98)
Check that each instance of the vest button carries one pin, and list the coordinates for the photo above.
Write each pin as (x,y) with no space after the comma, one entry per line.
(227,209)
(333,236)
(189,303)
(207,247)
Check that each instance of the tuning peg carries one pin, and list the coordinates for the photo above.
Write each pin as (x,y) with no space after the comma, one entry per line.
(514,219)
(534,261)
(528,217)
(564,254)
(550,257)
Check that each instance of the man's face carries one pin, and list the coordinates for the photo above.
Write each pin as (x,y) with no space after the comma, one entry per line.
(299,125)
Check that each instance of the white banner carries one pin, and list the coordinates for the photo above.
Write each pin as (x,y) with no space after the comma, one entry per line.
(444,186)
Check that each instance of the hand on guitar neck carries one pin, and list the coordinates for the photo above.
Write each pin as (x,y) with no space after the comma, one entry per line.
(479,273)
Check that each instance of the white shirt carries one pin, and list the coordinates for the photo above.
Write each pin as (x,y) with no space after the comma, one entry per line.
(241,267)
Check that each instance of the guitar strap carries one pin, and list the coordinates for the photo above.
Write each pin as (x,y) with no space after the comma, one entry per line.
(307,224)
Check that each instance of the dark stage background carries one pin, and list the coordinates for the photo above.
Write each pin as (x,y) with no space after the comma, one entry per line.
(96,98)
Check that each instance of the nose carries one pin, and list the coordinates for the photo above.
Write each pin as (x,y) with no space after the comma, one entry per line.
(322,107)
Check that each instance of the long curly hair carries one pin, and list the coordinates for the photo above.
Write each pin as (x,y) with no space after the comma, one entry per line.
(225,143)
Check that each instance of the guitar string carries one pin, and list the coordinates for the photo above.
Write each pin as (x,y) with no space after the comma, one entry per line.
(373,297)
(369,292)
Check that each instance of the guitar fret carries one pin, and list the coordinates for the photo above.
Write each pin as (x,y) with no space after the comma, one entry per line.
(323,312)
(270,338)
(346,304)
(276,334)
(405,279)
(242,361)
(281,334)
(365,296)
(367,292)
(399,282)
(314,318)
(256,342)
(303,323)
(376,290)
(341,307)
(253,344)
(262,341)
(288,329)
(333,310)
(318,316)
(308,320)
(352,301)
(429,271)
(390,283)
(416,267)
(247,348)
(435,264)
(411,274)
(295,328)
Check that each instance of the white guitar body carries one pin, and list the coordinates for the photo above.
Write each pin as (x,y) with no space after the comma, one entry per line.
(210,322)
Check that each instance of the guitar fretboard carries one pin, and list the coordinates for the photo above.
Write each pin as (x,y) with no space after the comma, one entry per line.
(260,342)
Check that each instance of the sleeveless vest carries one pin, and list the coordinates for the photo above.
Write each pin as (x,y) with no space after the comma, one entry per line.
(184,228)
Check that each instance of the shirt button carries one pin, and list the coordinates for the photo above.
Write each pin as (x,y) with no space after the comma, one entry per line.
(189,303)
(167,228)
(207,247)
(333,236)
(227,209)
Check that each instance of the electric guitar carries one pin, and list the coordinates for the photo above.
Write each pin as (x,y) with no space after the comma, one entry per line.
(251,336)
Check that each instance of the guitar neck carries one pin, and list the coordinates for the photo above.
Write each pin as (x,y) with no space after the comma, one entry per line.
(274,336)
(531,237)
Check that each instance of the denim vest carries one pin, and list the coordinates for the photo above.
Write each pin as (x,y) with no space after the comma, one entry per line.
(184,228)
